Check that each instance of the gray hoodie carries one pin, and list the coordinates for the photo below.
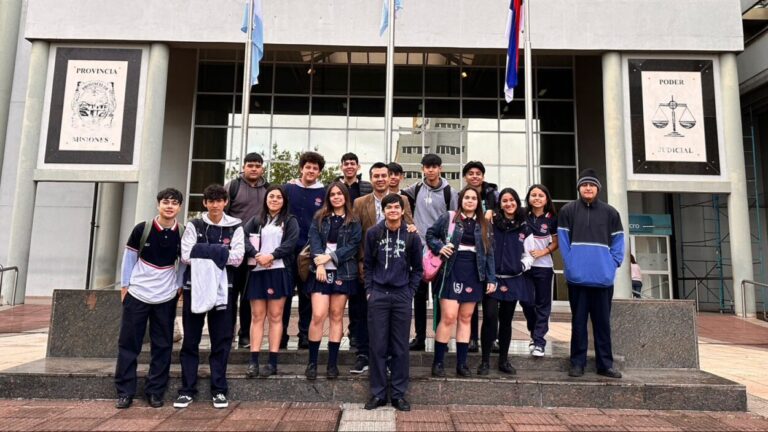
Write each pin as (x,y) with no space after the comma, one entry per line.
(430,204)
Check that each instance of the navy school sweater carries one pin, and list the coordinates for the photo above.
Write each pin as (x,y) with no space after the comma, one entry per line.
(392,258)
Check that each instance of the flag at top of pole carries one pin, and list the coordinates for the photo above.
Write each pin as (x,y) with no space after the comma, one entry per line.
(257,37)
(385,14)
(514,19)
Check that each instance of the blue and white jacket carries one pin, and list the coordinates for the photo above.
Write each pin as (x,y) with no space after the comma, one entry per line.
(591,240)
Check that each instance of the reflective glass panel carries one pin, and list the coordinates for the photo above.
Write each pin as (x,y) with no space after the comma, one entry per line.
(368,146)
(330,79)
(213,109)
(329,112)
(210,143)
(513,149)
(292,78)
(216,77)
(483,147)
(561,182)
(557,149)
(291,111)
(291,140)
(366,113)
(330,143)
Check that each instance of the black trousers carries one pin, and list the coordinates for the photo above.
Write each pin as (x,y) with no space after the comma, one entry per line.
(537,314)
(358,321)
(133,326)
(497,315)
(389,325)
(305,304)
(591,303)
(420,310)
(220,331)
(239,285)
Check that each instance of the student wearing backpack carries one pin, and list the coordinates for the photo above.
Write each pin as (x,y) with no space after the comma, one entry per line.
(150,289)
(213,247)
(429,199)
(393,269)
(334,242)
(468,272)
(246,200)
(270,240)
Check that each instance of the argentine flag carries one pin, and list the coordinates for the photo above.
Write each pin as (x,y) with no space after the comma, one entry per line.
(385,14)
(513,57)
(257,41)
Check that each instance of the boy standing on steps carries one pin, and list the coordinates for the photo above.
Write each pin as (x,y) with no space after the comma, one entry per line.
(150,290)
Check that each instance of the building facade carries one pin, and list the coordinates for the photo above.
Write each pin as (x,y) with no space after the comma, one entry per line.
(322,86)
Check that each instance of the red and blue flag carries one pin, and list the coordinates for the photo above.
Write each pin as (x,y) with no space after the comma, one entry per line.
(514,19)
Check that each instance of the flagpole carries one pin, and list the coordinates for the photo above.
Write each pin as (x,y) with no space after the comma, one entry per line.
(390,80)
(530,162)
(246,107)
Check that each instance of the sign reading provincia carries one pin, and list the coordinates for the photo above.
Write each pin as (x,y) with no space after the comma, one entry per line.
(94,107)
(673,117)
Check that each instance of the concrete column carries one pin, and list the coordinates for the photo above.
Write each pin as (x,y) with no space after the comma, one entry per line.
(152,132)
(106,246)
(738,207)
(615,160)
(23,210)
(10,16)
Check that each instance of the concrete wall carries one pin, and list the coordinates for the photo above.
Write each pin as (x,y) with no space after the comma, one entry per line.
(753,65)
(680,25)
(178,118)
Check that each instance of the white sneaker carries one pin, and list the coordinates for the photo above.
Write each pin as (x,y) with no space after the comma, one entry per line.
(182,401)
(538,351)
(220,401)
(531,346)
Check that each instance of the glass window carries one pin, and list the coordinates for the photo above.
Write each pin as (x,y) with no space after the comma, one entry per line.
(368,146)
(291,111)
(554,83)
(442,81)
(330,79)
(292,78)
(513,149)
(560,181)
(291,140)
(512,116)
(329,143)
(261,106)
(557,149)
(445,108)
(481,114)
(410,108)
(514,177)
(206,173)
(366,113)
(408,81)
(480,82)
(367,80)
(258,140)
(482,146)
(213,109)
(210,143)
(265,79)
(216,77)
(555,116)
(329,112)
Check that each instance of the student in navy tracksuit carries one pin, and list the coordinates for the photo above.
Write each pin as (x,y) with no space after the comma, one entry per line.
(270,240)
(150,290)
(213,243)
(305,196)
(592,246)
(334,241)
(542,220)
(511,242)
(393,270)
(467,273)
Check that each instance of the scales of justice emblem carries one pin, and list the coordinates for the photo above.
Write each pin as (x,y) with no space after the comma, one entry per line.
(661,121)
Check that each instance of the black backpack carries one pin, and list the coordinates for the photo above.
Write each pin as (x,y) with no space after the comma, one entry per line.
(412,199)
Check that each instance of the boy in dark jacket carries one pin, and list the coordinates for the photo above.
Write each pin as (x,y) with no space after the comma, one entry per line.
(393,270)
(592,245)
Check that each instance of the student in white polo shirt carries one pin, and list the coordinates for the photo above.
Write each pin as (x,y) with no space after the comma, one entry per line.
(150,290)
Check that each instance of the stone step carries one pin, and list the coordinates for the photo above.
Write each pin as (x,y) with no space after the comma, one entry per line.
(556,356)
(667,389)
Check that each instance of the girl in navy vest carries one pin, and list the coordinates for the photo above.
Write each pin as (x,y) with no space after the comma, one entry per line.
(270,241)
(542,220)
(468,272)
(334,242)
(511,242)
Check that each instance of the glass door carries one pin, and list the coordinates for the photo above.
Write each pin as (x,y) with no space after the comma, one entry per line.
(652,254)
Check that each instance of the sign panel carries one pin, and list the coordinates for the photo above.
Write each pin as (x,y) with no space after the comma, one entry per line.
(673,117)
(650,224)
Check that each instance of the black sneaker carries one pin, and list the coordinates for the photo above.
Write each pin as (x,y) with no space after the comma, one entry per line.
(610,373)
(463,371)
(311,372)
(417,345)
(244,342)
(495,347)
(182,401)
(438,370)
(155,401)
(473,346)
(332,372)
(268,370)
(123,402)
(576,371)
(507,367)
(361,365)
(220,401)
(253,370)
(303,342)
(484,368)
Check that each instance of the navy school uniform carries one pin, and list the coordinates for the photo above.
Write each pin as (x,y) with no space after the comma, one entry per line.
(229,234)
(462,280)
(279,240)
(343,244)
(393,271)
(537,312)
(152,281)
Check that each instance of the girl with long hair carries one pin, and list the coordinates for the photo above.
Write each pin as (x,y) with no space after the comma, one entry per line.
(269,244)
(334,242)
(542,219)
(467,273)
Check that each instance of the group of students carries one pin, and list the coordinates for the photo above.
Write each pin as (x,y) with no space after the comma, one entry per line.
(365,244)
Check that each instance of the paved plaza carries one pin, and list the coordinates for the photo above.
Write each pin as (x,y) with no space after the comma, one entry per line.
(731,347)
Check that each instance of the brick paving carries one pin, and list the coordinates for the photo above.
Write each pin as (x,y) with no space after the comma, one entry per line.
(46,415)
